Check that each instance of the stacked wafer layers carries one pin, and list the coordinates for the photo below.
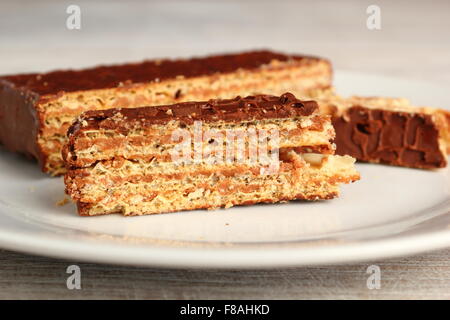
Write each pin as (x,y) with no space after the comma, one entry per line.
(37,109)
(249,150)
(388,130)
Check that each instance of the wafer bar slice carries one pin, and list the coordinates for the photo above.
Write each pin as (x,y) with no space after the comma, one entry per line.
(36,109)
(387,130)
(128,160)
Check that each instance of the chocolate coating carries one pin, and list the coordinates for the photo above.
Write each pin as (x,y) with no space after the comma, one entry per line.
(228,110)
(396,138)
(18,120)
(151,70)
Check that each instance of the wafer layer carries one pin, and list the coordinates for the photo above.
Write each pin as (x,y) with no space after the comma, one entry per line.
(148,177)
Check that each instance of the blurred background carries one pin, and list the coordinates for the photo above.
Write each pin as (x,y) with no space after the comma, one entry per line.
(413,43)
(413,40)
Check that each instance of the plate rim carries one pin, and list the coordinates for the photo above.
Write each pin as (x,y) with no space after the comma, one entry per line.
(226,258)
(282,254)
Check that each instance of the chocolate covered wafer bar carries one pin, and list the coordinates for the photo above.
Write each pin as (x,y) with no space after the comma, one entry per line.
(197,155)
(36,109)
(388,130)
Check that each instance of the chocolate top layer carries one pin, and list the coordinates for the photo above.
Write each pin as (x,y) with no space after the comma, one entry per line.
(152,70)
(229,110)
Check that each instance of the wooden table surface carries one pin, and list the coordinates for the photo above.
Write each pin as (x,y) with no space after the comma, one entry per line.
(421,277)
(413,42)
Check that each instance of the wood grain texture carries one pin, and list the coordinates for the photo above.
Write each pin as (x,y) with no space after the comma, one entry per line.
(413,43)
(421,277)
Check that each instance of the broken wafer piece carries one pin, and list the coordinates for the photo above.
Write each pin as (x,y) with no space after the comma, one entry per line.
(37,109)
(203,155)
(388,130)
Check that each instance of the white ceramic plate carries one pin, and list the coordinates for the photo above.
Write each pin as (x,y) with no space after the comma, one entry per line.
(390,212)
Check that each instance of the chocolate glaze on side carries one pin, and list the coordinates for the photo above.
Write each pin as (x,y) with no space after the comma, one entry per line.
(396,138)
(147,71)
(18,120)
